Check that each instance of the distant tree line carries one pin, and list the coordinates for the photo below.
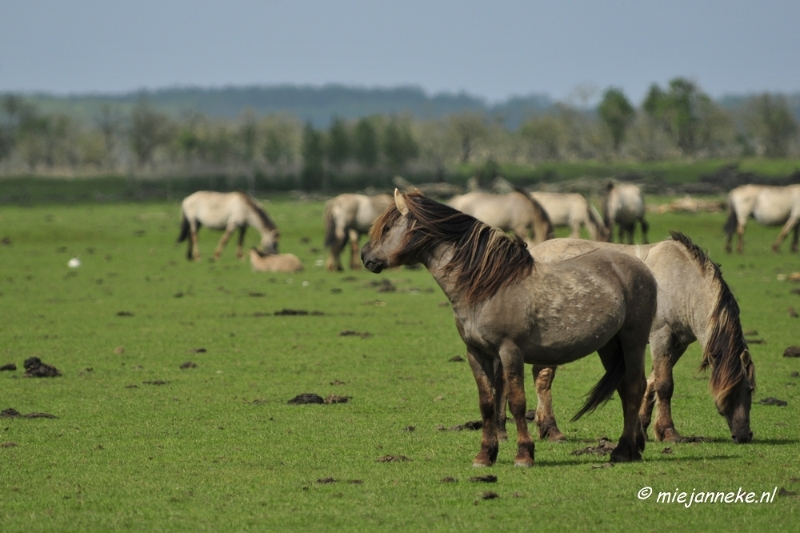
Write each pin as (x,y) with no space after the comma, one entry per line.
(674,122)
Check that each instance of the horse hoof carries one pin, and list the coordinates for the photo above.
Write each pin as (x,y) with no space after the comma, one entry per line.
(523,463)
(556,437)
(476,464)
(623,457)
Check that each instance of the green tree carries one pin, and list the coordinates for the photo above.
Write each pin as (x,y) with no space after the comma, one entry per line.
(468,128)
(313,158)
(679,111)
(773,123)
(338,148)
(617,114)
(399,145)
(149,130)
(365,145)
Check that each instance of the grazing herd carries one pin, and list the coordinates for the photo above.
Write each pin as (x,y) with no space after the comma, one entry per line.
(525,297)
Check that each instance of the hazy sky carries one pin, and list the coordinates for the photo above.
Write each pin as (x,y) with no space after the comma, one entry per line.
(492,49)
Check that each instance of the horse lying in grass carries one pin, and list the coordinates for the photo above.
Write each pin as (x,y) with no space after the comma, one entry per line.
(262,262)
(624,205)
(572,210)
(347,218)
(511,310)
(225,211)
(515,212)
(694,304)
(771,206)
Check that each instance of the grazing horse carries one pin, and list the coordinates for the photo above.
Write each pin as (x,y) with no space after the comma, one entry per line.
(347,218)
(572,210)
(516,212)
(624,205)
(510,310)
(225,211)
(262,262)
(694,304)
(771,206)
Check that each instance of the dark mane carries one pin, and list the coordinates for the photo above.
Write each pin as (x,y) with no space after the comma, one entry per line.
(725,341)
(484,260)
(262,215)
(540,212)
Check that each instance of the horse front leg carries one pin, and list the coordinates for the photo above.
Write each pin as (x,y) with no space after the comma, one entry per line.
(740,235)
(514,378)
(240,244)
(645,229)
(483,369)
(664,358)
(795,237)
(545,419)
(355,256)
(791,224)
(222,242)
(194,248)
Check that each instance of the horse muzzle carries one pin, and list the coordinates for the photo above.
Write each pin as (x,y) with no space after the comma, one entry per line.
(743,438)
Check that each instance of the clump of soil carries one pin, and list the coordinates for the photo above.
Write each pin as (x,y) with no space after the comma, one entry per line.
(8,445)
(326,480)
(337,399)
(694,438)
(196,350)
(353,333)
(603,447)
(393,459)
(156,382)
(491,478)
(124,313)
(489,495)
(773,401)
(449,479)
(337,382)
(792,351)
(471,425)
(189,364)
(456,359)
(306,397)
(35,368)
(10,367)
(13,413)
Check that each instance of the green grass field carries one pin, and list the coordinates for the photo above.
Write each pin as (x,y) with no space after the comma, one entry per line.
(217,447)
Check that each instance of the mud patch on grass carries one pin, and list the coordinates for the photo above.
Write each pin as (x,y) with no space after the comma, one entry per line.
(354,333)
(393,459)
(188,364)
(124,313)
(490,478)
(604,446)
(10,367)
(472,425)
(791,351)
(306,398)
(35,368)
(770,400)
(156,382)
(456,359)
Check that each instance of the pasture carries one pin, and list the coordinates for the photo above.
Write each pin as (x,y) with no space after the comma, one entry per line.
(140,443)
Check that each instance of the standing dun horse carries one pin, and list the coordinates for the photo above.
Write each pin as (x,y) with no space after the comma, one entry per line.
(347,218)
(694,304)
(510,310)
(515,212)
(624,205)
(572,210)
(227,212)
(771,206)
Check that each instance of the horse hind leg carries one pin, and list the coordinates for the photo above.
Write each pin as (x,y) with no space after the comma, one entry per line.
(792,224)
(240,243)
(631,389)
(545,419)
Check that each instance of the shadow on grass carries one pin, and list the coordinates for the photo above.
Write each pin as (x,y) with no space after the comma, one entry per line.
(648,458)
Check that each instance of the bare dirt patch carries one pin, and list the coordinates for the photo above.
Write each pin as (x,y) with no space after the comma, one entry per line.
(393,459)
(306,398)
(35,368)
(490,478)
(604,446)
(10,367)
(792,351)
(770,400)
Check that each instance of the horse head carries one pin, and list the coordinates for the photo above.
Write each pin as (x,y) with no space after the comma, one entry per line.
(269,241)
(386,236)
(735,406)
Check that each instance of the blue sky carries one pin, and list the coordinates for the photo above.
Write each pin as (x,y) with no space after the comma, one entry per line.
(491,49)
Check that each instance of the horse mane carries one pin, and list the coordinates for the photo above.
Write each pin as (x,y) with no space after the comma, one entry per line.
(539,212)
(484,260)
(725,340)
(262,215)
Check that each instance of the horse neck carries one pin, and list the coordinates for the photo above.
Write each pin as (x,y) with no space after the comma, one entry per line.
(435,260)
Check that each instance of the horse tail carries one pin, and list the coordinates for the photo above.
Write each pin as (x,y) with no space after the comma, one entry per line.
(604,388)
(541,218)
(330,224)
(185,228)
(731,222)
(725,342)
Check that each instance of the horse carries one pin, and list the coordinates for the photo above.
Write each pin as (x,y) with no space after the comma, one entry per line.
(769,205)
(261,262)
(624,205)
(347,218)
(694,304)
(516,212)
(510,310)
(225,211)
(572,210)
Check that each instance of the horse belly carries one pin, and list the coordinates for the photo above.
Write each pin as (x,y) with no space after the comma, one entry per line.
(772,211)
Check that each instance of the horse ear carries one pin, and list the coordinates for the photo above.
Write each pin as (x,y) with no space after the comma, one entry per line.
(745,358)
(400,201)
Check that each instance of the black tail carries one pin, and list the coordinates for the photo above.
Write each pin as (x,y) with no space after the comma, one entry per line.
(605,388)
(184,228)
(731,223)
